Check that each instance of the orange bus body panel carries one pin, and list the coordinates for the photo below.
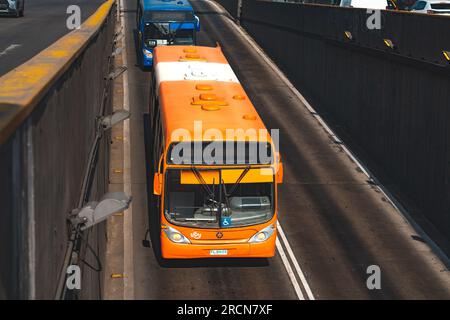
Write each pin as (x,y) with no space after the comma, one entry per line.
(235,241)
(178,111)
(188,53)
(220,104)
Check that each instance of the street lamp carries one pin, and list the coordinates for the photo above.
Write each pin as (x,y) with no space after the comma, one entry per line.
(95,212)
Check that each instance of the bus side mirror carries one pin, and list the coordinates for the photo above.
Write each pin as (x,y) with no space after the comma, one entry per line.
(157,184)
(280,173)
(279,168)
(197,23)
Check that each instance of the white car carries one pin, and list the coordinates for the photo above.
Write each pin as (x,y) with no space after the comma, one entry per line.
(369,4)
(14,7)
(432,7)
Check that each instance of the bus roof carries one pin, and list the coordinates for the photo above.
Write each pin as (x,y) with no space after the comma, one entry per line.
(171,5)
(196,84)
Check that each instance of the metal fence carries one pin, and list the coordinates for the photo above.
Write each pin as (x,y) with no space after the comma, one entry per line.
(45,138)
(385,85)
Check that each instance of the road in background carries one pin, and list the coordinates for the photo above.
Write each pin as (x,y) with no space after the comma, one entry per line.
(337,224)
(44,23)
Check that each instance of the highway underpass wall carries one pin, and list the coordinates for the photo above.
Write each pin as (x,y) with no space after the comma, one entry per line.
(390,102)
(48,111)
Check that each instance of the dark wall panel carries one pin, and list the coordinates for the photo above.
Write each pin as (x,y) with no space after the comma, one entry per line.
(393,103)
(42,166)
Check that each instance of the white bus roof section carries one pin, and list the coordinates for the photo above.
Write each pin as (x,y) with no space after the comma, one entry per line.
(195,71)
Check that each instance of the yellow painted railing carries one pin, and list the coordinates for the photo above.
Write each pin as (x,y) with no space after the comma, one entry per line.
(23,87)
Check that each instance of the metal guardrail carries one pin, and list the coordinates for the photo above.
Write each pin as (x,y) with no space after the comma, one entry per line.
(49,109)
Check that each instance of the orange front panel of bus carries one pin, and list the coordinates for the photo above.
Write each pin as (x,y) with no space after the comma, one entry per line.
(171,250)
(233,240)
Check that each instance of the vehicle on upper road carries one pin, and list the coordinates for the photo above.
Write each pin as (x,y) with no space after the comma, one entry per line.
(164,22)
(432,7)
(216,168)
(12,7)
(369,4)
(401,4)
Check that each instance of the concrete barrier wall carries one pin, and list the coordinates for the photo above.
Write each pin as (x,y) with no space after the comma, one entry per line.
(8,232)
(48,111)
(392,103)
(231,6)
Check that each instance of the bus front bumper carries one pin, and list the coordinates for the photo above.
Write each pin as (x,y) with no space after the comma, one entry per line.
(147,57)
(146,62)
(171,250)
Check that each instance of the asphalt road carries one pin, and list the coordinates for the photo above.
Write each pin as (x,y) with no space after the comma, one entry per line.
(44,23)
(336,223)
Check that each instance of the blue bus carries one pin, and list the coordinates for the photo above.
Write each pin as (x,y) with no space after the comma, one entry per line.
(164,22)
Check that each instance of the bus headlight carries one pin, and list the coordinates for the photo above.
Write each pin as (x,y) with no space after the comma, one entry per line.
(147,53)
(175,236)
(262,235)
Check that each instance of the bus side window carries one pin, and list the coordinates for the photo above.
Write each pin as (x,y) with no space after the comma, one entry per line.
(152,88)
(155,115)
(161,149)
(153,100)
(157,139)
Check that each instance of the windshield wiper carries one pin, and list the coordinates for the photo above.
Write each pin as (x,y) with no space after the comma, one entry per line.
(226,194)
(235,185)
(162,29)
(173,34)
(222,187)
(227,200)
(202,181)
(211,196)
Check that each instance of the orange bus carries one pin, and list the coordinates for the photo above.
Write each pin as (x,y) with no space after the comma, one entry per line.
(215,166)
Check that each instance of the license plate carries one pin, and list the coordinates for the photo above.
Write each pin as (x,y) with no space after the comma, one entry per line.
(218,252)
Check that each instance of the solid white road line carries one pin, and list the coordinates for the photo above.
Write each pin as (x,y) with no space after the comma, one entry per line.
(289,271)
(128,280)
(295,262)
(31,213)
(280,229)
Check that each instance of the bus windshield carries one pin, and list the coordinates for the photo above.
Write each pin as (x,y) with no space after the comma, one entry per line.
(160,31)
(155,32)
(184,37)
(222,198)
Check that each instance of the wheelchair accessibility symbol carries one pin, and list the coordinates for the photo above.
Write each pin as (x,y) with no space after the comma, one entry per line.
(225,221)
